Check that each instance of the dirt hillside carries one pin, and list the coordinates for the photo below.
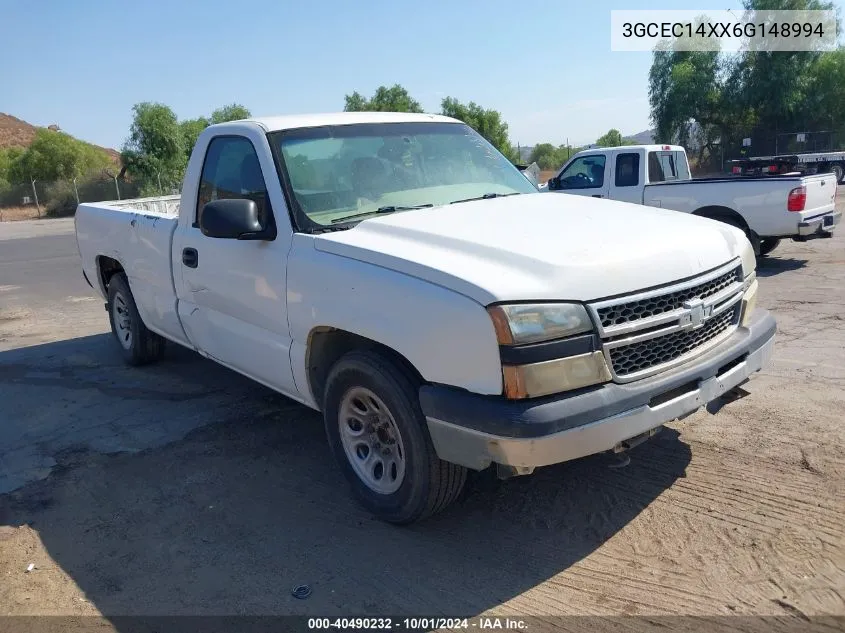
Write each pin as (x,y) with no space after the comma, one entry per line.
(17,133)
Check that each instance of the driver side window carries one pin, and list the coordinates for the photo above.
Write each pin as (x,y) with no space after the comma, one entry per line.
(586,172)
(231,170)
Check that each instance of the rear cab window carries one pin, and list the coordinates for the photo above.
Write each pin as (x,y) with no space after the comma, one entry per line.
(627,169)
(667,166)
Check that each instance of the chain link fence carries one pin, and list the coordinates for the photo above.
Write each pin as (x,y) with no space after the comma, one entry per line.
(41,199)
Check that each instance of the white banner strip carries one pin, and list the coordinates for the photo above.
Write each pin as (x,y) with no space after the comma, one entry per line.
(728,31)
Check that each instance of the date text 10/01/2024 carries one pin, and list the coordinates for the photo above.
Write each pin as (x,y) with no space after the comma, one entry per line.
(422,623)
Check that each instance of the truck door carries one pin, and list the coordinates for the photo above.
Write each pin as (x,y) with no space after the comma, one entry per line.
(585,176)
(232,293)
(628,176)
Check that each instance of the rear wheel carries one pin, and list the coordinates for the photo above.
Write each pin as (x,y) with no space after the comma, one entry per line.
(379,438)
(768,244)
(137,344)
(838,172)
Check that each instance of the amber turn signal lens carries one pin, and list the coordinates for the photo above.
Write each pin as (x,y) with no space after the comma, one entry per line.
(555,376)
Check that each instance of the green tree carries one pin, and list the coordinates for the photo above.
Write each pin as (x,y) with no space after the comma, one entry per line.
(707,99)
(773,85)
(8,162)
(691,104)
(826,90)
(488,123)
(613,138)
(54,155)
(393,99)
(191,129)
(549,157)
(155,149)
(684,86)
(231,112)
(545,155)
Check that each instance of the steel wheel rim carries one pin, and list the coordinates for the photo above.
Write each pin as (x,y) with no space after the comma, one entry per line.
(371,441)
(122,321)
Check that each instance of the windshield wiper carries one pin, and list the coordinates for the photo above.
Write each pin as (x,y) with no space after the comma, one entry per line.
(387,209)
(486,196)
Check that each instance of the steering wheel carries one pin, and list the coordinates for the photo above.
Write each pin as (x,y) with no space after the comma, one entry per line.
(581,180)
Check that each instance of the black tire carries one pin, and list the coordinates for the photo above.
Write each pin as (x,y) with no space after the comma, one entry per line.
(768,244)
(141,346)
(838,172)
(429,484)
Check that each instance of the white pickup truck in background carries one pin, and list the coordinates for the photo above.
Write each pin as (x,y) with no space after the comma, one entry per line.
(398,274)
(766,208)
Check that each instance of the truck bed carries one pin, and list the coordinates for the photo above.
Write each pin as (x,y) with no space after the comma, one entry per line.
(762,200)
(167,206)
(138,234)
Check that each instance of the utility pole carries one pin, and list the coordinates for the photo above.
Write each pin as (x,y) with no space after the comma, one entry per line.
(116,188)
(35,193)
(158,175)
(76,190)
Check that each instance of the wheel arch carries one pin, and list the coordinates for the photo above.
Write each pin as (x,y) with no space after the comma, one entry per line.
(720,213)
(107,267)
(326,345)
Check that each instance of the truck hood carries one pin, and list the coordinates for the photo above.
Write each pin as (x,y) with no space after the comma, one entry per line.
(536,247)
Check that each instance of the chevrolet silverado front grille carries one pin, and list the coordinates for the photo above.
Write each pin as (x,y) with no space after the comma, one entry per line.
(660,304)
(638,357)
(651,331)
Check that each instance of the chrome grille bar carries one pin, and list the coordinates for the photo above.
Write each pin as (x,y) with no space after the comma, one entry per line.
(651,331)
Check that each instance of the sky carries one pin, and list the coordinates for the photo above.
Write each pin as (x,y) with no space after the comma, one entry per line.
(546,66)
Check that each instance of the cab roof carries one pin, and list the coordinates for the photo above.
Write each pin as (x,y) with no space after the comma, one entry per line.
(292,121)
(648,148)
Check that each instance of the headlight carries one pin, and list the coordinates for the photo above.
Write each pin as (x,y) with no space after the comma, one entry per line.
(522,323)
(541,351)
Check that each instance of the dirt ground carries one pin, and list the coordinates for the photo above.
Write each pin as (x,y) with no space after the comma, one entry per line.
(183,488)
(12,214)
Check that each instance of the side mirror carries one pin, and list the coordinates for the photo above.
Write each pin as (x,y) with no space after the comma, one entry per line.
(554,184)
(234,219)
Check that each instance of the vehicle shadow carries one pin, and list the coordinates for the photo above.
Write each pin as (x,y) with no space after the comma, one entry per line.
(773,265)
(247,505)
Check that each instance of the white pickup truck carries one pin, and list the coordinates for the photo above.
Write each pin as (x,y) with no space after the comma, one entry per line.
(766,208)
(398,274)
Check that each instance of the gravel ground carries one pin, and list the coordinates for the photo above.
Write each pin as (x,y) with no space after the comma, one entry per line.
(184,488)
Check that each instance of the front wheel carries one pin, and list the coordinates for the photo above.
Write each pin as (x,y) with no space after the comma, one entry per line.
(137,344)
(379,438)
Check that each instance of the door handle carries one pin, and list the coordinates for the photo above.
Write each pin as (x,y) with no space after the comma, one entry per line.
(190,257)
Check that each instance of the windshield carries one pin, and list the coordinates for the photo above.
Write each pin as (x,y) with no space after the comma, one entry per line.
(337,175)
